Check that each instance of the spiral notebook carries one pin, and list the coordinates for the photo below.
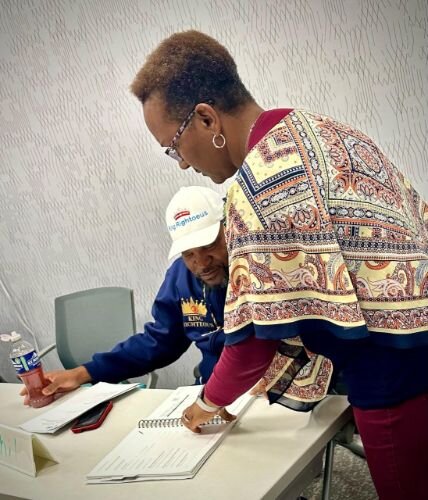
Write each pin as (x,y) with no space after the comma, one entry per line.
(161,448)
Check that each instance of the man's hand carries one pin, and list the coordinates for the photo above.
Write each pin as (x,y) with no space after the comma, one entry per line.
(194,416)
(61,381)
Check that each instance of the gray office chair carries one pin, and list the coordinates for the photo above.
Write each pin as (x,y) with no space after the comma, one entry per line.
(92,321)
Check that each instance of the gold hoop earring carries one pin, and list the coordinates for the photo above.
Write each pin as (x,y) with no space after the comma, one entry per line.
(222,137)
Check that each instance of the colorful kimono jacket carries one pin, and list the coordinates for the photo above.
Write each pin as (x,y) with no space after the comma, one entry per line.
(324,232)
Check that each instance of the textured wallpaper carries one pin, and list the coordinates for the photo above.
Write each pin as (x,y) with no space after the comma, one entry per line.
(83,186)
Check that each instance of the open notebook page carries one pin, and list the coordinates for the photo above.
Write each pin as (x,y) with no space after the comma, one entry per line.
(164,453)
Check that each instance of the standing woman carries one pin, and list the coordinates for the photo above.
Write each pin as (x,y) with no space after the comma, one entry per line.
(326,239)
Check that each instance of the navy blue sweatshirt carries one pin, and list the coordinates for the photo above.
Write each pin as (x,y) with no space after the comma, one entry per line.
(181,315)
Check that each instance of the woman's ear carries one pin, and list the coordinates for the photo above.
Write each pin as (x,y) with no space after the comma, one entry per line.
(208,117)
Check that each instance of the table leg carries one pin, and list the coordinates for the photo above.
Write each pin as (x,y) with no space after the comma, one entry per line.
(328,470)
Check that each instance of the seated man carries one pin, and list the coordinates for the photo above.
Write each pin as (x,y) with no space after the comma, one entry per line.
(188,307)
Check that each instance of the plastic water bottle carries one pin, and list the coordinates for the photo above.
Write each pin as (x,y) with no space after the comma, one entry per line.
(29,369)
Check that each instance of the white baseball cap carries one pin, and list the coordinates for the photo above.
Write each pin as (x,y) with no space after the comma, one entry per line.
(193,218)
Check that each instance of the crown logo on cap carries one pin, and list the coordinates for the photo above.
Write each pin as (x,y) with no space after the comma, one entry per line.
(193,308)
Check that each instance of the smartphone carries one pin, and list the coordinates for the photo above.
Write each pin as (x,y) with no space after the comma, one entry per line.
(93,418)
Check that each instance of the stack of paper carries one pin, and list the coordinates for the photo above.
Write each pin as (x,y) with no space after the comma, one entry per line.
(52,420)
(165,452)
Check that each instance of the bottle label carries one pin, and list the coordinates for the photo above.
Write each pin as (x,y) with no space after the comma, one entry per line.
(26,363)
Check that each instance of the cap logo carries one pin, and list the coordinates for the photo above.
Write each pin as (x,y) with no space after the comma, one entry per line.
(183,217)
(181,213)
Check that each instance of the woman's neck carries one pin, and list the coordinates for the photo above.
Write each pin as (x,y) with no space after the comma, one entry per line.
(237,127)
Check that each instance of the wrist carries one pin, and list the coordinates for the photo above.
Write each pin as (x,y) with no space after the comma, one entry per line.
(207,405)
(82,375)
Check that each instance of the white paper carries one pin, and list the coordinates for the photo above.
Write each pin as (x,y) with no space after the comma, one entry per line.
(176,403)
(52,420)
(164,453)
(183,397)
(22,451)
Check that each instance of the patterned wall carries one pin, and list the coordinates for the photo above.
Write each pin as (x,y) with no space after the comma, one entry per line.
(83,186)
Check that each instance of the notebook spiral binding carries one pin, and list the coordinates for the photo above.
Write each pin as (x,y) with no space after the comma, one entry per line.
(158,423)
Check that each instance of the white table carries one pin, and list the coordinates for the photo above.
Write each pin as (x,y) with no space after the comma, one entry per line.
(272,452)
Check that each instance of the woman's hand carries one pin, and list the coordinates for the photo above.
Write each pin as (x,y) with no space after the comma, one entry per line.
(194,416)
(259,389)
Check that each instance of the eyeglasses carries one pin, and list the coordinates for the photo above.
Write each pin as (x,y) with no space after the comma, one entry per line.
(171,150)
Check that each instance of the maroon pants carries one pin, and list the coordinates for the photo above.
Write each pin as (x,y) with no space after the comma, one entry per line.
(396,444)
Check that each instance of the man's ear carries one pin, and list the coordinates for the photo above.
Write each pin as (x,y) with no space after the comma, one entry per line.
(208,118)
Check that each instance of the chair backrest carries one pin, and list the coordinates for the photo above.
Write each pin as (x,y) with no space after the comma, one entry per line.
(92,321)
